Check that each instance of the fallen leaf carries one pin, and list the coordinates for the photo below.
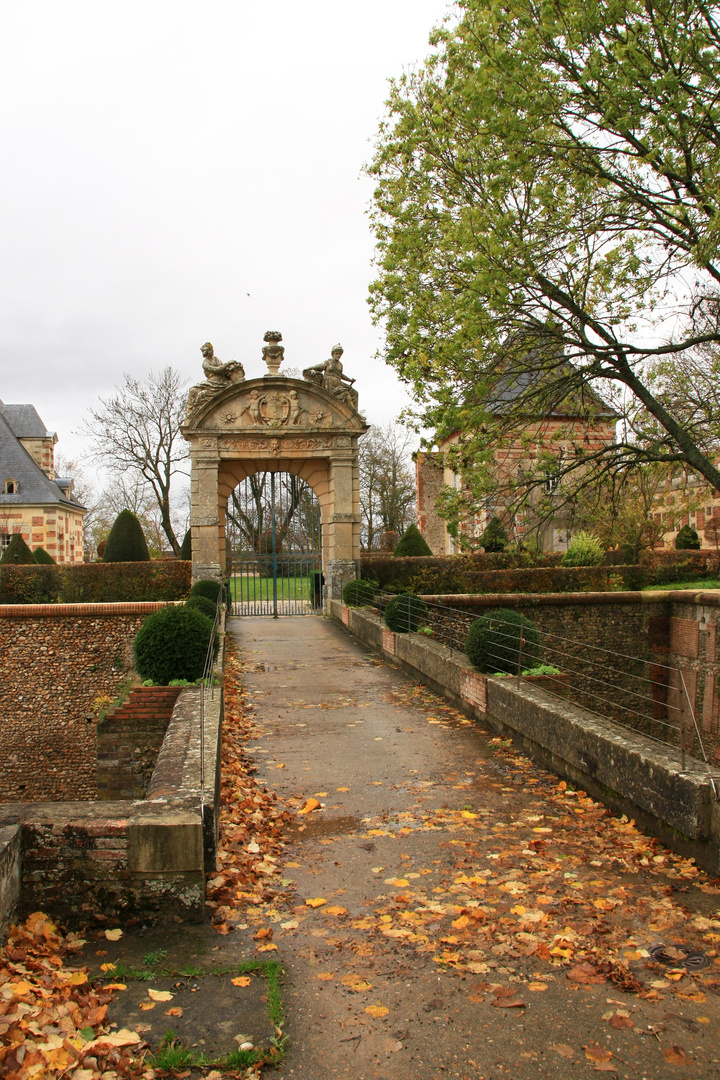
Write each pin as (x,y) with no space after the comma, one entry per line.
(107,967)
(267,948)
(536,987)
(508,1003)
(399,883)
(146,1006)
(335,909)
(585,974)
(241,980)
(342,788)
(620,1022)
(78,978)
(563,1050)
(325,976)
(675,1055)
(308,806)
(377,1011)
(597,1053)
(316,901)
(113,935)
(391,1046)
(160,995)
(123,1037)
(115,986)
(175,1011)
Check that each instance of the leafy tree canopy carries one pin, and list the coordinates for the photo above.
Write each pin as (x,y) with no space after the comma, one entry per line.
(546,216)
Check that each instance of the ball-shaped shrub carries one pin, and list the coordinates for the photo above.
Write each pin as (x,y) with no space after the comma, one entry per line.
(687,540)
(201,603)
(126,542)
(208,587)
(172,643)
(493,642)
(358,594)
(405,613)
(585,550)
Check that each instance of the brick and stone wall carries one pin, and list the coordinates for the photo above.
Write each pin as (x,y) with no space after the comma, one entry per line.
(56,661)
(129,739)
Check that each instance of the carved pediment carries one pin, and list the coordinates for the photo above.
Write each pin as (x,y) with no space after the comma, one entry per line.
(275,404)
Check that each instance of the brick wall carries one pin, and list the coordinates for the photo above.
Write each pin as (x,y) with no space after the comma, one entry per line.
(56,660)
(129,739)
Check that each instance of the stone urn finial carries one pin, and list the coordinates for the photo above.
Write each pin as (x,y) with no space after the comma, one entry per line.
(273,352)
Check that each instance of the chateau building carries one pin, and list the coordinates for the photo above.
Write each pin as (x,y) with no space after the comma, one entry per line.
(33,500)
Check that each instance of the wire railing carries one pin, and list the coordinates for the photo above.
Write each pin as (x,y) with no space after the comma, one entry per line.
(207,682)
(638,693)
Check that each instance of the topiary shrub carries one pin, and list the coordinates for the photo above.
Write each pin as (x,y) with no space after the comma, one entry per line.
(359,594)
(207,587)
(17,552)
(126,542)
(493,642)
(201,603)
(494,537)
(186,548)
(686,540)
(405,613)
(41,556)
(585,550)
(412,542)
(172,643)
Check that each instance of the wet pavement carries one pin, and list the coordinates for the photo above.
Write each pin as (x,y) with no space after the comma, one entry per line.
(451,910)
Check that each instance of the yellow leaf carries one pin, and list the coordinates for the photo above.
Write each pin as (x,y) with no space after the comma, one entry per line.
(160,995)
(342,788)
(242,980)
(78,978)
(398,882)
(325,976)
(335,909)
(377,1011)
(518,909)
(308,806)
(267,948)
(146,1006)
(176,1011)
(468,814)
(536,987)
(316,901)
(115,986)
(321,794)
(461,923)
(107,967)
(113,935)
(674,975)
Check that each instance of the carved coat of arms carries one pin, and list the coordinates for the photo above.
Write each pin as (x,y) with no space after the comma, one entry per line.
(274,409)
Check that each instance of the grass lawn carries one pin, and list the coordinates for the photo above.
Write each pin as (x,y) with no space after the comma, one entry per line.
(244,589)
(696,584)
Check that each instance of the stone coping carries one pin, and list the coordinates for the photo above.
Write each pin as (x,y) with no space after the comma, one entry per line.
(54,611)
(708,597)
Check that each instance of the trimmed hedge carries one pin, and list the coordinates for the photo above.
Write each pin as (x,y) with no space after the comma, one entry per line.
(210,588)
(405,613)
(201,603)
(21,584)
(95,583)
(494,641)
(358,593)
(172,643)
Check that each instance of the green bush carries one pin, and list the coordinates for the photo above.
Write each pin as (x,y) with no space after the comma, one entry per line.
(494,537)
(186,549)
(108,583)
(43,557)
(493,642)
(17,552)
(584,550)
(201,603)
(405,613)
(359,594)
(412,542)
(126,542)
(21,584)
(172,643)
(208,587)
(686,540)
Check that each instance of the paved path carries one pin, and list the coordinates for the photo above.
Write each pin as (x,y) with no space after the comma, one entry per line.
(462,886)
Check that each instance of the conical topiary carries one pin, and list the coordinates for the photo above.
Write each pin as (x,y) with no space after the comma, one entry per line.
(126,542)
(494,537)
(412,543)
(186,548)
(687,540)
(17,551)
(42,556)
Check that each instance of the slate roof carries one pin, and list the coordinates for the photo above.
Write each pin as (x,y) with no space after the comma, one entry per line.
(35,488)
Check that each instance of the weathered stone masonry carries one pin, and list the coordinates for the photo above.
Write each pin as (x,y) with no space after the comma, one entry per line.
(56,661)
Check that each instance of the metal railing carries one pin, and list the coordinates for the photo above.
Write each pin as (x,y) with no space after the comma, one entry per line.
(636,692)
(207,682)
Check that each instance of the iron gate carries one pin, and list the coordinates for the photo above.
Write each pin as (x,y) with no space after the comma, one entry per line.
(274,560)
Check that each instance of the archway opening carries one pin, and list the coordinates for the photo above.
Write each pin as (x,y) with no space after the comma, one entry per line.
(273,537)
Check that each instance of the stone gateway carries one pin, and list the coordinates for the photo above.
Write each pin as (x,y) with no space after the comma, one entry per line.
(308,427)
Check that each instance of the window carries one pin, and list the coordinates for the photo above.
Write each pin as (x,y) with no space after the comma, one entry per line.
(4,540)
(10,487)
(551,483)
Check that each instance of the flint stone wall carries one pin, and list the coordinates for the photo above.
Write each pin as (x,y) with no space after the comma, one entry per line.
(56,660)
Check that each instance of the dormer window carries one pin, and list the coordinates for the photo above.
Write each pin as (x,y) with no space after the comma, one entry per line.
(10,487)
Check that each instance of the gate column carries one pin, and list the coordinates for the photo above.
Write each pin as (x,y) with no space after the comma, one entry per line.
(205,510)
(343,563)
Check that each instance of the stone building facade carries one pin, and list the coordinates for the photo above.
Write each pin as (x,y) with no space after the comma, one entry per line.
(34,502)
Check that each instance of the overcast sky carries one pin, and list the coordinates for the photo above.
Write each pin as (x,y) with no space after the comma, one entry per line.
(177,172)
